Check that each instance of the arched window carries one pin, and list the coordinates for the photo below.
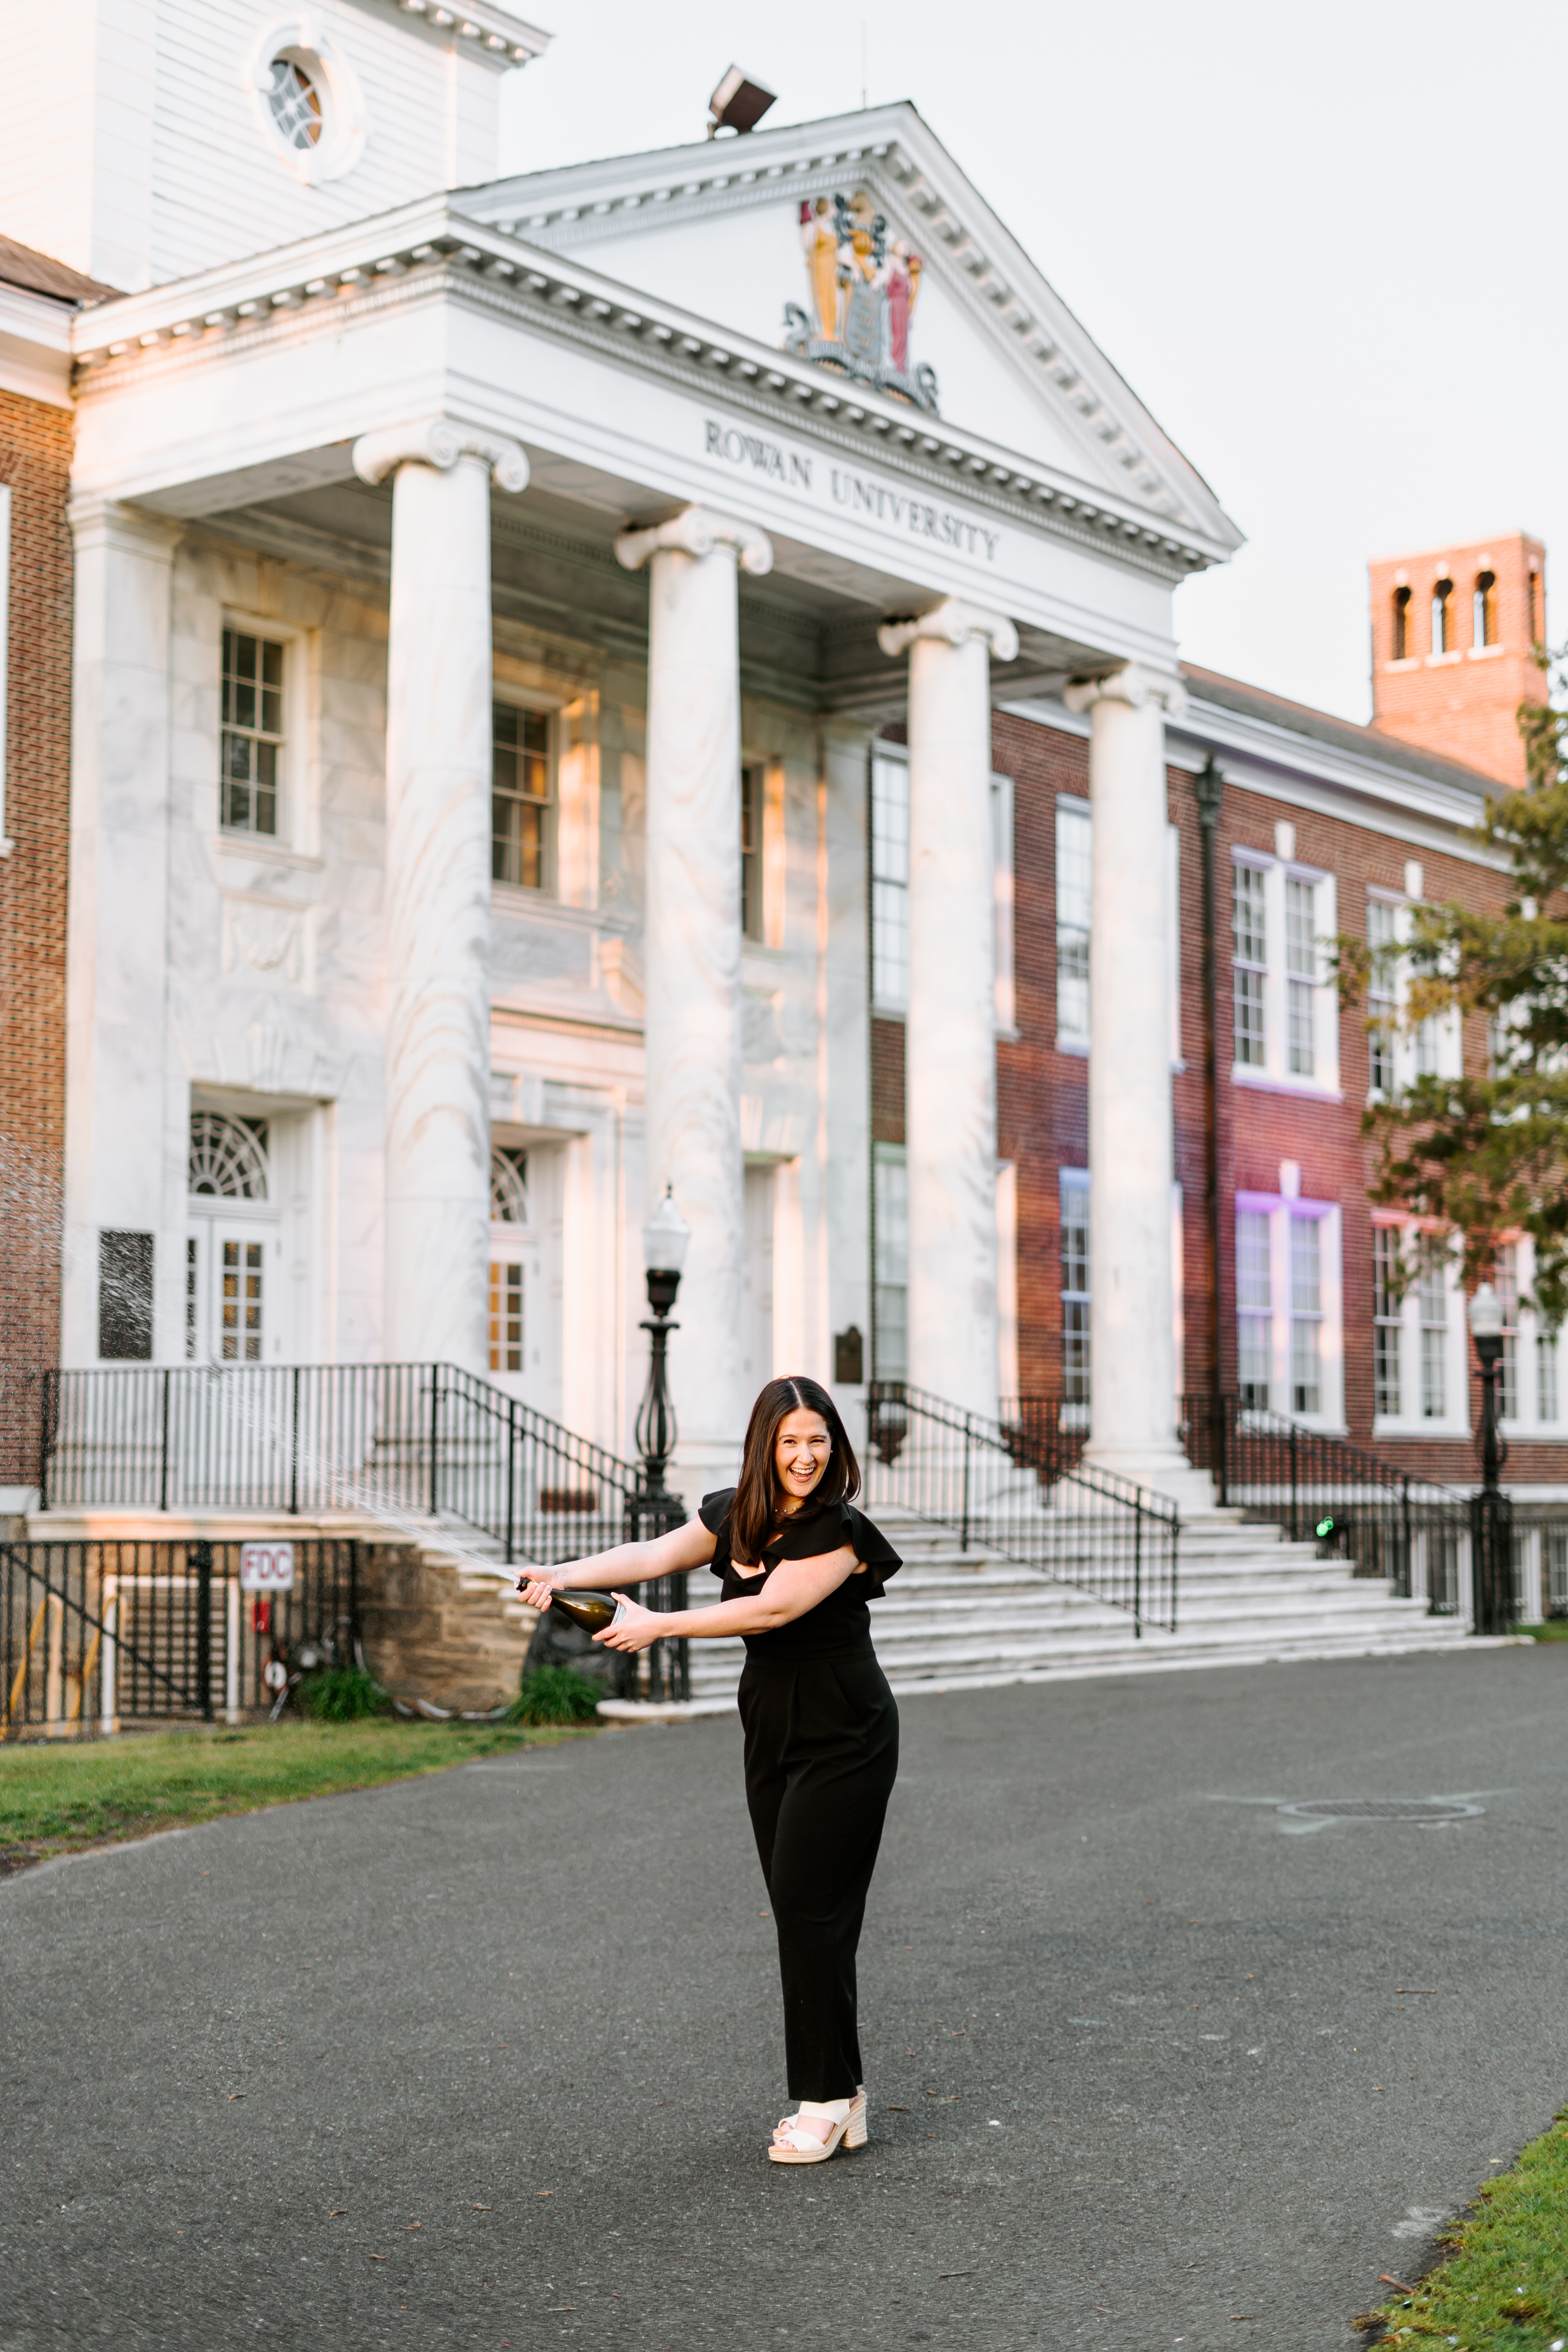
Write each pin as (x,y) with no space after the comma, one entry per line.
(228,1157)
(1483,606)
(1401,624)
(508,1185)
(1443,617)
(1535,631)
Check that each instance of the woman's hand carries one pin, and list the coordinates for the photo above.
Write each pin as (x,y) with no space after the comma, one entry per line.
(540,1589)
(635,1629)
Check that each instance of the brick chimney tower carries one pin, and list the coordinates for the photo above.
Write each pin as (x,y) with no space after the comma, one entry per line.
(1451,639)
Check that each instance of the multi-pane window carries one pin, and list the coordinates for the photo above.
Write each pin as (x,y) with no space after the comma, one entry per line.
(506,1315)
(751,851)
(1505,1283)
(1382,996)
(1305,1315)
(252,735)
(1443,617)
(1075,1296)
(1075,866)
(890,1335)
(1428,1046)
(1301,975)
(1254,1307)
(1545,1375)
(1483,613)
(520,797)
(889,884)
(508,1185)
(1432,1293)
(1387,1321)
(241,1302)
(1249,963)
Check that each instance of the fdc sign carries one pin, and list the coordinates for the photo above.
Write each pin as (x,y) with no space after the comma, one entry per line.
(267,1568)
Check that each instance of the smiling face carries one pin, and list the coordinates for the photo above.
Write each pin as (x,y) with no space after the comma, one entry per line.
(801,1452)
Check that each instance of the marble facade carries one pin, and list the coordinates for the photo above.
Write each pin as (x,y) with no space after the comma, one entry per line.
(459,459)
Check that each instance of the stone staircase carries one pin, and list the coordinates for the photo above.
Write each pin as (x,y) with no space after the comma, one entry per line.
(954,1620)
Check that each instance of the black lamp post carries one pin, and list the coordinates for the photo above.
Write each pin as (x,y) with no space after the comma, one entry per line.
(1491,1511)
(653,1509)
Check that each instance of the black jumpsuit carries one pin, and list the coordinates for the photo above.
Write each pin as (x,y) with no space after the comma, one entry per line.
(821,1753)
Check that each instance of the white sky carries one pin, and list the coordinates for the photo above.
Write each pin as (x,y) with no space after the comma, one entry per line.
(1318,242)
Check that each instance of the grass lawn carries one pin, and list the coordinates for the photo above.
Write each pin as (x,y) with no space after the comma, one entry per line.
(56,1797)
(1555,1628)
(1505,2281)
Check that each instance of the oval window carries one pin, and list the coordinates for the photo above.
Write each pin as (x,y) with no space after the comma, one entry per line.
(295,104)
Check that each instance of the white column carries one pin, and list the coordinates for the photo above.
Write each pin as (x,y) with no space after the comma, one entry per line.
(125,1139)
(949,1055)
(692,958)
(1132,1318)
(438,881)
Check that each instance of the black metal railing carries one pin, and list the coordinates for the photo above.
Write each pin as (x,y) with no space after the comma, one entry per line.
(404,1443)
(996,1487)
(93,1635)
(1353,1504)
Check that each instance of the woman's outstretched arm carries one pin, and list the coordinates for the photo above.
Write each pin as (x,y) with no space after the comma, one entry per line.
(794,1586)
(691,1546)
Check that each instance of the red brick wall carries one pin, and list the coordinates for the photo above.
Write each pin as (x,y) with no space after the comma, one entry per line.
(1461,705)
(1042,1095)
(34,460)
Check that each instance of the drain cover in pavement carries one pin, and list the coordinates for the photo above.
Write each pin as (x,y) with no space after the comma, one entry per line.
(1386,1809)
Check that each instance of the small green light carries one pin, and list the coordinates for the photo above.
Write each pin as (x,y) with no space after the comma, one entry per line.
(1325,1527)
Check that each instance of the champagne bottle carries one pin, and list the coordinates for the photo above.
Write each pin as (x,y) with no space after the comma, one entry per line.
(592,1610)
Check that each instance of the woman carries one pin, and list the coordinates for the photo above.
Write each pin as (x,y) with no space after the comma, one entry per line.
(799,1564)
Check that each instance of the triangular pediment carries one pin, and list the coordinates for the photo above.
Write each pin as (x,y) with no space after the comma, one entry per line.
(717,228)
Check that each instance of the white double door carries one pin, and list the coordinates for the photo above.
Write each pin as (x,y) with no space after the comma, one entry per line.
(234,1290)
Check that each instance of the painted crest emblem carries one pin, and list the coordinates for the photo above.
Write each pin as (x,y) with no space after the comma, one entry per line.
(862,293)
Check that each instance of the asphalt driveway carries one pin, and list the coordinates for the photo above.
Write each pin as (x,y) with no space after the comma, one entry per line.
(490,2059)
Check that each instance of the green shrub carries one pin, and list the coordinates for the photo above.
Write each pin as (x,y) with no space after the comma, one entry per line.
(554,1694)
(342,1694)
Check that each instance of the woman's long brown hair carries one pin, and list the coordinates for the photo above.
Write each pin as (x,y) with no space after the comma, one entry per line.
(756,1506)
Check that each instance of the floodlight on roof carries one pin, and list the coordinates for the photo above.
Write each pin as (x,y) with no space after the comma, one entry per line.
(739,103)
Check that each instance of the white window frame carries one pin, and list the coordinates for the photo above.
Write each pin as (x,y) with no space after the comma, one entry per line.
(890,1260)
(1074,808)
(1527,1424)
(893,1002)
(526,894)
(1275,1074)
(297,834)
(6,843)
(1410,1420)
(1440,1044)
(1281,1209)
(1078,810)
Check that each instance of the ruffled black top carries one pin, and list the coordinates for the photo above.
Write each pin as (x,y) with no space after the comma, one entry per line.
(835,1626)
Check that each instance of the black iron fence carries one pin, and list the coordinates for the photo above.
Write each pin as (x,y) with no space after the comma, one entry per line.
(1351,1502)
(998,1488)
(94,1634)
(403,1444)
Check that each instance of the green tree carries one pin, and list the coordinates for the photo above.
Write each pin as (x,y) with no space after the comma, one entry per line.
(1482,1156)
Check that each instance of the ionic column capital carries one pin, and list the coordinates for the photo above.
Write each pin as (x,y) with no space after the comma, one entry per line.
(1134,686)
(955,622)
(698,531)
(439,441)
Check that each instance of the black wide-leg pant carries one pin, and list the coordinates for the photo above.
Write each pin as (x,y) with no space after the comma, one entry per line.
(822,1754)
